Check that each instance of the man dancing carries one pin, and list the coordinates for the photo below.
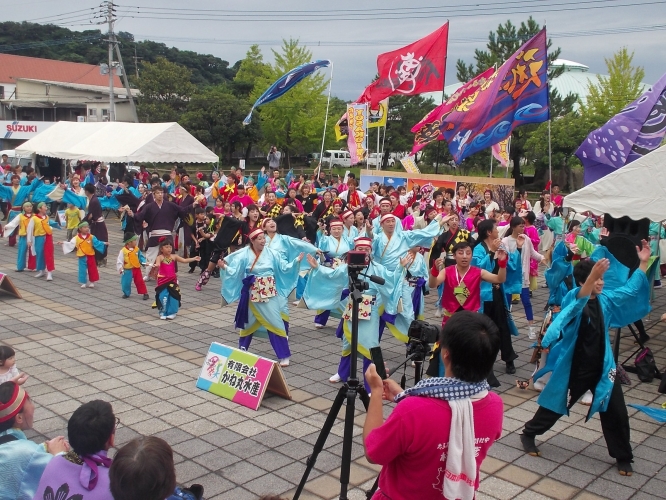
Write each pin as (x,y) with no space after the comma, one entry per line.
(586,356)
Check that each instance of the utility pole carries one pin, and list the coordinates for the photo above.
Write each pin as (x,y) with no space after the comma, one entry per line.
(112,40)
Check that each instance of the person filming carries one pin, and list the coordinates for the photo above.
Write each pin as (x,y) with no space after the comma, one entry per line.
(433,443)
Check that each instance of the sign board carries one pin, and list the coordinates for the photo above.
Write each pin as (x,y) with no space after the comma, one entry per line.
(240,376)
(410,165)
(21,129)
(502,189)
(241,164)
(6,285)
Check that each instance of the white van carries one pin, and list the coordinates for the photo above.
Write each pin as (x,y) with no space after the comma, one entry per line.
(334,158)
(372,160)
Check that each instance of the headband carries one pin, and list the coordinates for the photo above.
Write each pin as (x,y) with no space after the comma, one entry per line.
(255,233)
(134,237)
(40,205)
(337,201)
(386,217)
(346,214)
(362,241)
(336,223)
(83,224)
(384,202)
(13,407)
(263,222)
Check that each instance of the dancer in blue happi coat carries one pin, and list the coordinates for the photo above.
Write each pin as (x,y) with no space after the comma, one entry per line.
(607,296)
(325,286)
(259,278)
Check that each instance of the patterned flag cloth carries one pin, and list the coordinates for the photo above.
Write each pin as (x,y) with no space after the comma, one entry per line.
(631,134)
(427,130)
(414,69)
(516,95)
(501,152)
(285,83)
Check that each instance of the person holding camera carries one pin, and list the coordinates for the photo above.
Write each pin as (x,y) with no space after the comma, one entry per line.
(585,361)
(433,443)
(274,157)
(324,289)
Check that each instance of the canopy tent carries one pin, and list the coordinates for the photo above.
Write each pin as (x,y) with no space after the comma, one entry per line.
(119,142)
(637,190)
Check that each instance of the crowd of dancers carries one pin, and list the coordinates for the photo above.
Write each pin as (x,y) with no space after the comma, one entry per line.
(274,240)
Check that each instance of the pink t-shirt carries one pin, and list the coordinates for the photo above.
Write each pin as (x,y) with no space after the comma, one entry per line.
(412,444)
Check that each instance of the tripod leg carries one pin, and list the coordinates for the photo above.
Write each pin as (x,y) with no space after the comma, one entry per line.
(348,438)
(323,435)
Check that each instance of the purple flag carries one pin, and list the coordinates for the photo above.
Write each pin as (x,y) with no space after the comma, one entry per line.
(634,132)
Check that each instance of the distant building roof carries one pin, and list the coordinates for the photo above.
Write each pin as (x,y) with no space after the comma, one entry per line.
(13,67)
(104,89)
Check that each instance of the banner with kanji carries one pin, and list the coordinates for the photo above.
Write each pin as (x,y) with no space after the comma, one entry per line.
(501,152)
(414,69)
(409,165)
(517,95)
(427,130)
(357,140)
(376,118)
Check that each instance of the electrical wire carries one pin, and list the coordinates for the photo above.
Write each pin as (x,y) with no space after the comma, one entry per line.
(444,13)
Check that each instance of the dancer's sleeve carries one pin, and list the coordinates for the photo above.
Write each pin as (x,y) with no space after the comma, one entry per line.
(324,287)
(69,246)
(120,261)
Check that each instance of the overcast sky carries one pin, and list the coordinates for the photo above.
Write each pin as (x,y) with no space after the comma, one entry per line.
(353,43)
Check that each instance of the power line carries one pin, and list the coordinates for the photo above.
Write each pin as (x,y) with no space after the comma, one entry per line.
(381,42)
(442,13)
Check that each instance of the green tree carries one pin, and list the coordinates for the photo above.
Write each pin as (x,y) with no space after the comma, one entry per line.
(215,117)
(165,91)
(295,121)
(623,84)
(249,70)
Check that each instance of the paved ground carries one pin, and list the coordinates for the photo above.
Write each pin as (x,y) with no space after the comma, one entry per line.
(78,345)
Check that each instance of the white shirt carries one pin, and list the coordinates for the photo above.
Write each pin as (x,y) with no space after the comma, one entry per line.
(526,254)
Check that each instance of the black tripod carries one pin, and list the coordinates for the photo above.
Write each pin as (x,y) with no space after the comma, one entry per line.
(348,391)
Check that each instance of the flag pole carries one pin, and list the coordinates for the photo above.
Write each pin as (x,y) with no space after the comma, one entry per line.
(379,129)
(508,156)
(323,138)
(550,160)
(443,86)
(491,163)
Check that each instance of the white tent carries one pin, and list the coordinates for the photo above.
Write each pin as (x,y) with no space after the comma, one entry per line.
(119,142)
(637,190)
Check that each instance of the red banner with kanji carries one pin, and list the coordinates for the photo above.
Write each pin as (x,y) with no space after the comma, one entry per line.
(427,130)
(414,69)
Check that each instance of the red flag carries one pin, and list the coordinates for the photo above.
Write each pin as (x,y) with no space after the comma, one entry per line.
(427,130)
(417,68)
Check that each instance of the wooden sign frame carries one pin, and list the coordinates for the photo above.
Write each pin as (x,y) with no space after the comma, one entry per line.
(7,286)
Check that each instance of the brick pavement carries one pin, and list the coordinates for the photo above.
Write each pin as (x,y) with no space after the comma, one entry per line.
(77,345)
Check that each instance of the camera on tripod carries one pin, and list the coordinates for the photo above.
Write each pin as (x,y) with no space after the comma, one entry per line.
(357,260)
(421,334)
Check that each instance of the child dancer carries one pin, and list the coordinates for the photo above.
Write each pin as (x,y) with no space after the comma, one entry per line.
(130,260)
(40,241)
(72,220)
(167,292)
(8,370)
(85,245)
(24,257)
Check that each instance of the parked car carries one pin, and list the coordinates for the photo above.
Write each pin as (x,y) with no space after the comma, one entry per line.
(372,160)
(312,159)
(334,158)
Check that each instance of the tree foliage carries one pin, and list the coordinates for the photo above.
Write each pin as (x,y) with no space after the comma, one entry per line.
(295,121)
(215,116)
(623,84)
(165,91)
(89,47)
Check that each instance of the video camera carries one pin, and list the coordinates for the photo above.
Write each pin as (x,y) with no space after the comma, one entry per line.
(357,260)
(421,334)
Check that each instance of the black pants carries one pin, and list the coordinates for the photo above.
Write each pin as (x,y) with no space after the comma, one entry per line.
(614,421)
(496,311)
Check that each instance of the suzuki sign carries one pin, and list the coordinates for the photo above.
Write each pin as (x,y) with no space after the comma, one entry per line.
(22,129)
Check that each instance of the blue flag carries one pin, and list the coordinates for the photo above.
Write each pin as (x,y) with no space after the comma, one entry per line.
(515,95)
(286,82)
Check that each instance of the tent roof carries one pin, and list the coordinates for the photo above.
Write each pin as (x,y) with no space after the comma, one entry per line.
(119,142)
(635,190)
